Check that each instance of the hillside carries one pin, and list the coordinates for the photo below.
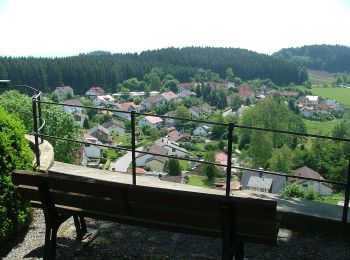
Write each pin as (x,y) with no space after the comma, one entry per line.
(106,69)
(330,58)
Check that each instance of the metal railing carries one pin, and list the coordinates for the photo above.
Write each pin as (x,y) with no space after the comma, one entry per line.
(36,100)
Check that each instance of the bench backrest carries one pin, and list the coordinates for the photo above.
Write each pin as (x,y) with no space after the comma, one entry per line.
(253,220)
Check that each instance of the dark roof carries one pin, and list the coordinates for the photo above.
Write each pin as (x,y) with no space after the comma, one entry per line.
(157,158)
(113,122)
(307,173)
(155,99)
(154,149)
(176,179)
(278,182)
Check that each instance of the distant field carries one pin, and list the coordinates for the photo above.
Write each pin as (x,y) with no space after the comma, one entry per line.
(318,77)
(316,127)
(342,95)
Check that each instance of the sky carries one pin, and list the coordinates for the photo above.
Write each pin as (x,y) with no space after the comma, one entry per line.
(56,28)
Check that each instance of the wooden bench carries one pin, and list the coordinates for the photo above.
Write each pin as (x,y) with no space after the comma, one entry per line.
(235,220)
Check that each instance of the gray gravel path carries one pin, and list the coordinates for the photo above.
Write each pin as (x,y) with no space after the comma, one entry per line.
(116,241)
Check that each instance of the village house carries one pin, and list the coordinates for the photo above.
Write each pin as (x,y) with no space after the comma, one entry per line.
(175,179)
(245,93)
(170,96)
(103,100)
(168,122)
(156,100)
(288,94)
(141,158)
(127,107)
(197,111)
(94,91)
(63,92)
(175,136)
(173,148)
(151,121)
(307,111)
(186,86)
(186,94)
(71,109)
(263,182)
(90,151)
(156,163)
(101,133)
(312,100)
(319,187)
(202,130)
(115,127)
(80,118)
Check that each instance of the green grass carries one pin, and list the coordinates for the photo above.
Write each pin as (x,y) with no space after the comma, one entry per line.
(342,95)
(317,77)
(200,181)
(185,165)
(332,199)
(316,127)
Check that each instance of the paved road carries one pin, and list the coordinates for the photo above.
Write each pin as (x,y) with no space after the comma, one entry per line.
(122,164)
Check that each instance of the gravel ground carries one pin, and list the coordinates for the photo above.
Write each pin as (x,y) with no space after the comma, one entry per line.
(116,241)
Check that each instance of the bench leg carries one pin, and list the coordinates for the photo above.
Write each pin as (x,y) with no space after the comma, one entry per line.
(50,242)
(239,252)
(80,226)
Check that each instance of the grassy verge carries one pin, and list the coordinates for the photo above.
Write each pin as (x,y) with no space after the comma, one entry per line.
(200,181)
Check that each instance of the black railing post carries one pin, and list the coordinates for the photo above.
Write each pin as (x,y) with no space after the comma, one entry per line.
(229,158)
(40,115)
(133,147)
(35,128)
(347,194)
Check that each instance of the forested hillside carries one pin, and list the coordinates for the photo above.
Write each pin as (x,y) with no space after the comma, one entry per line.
(106,69)
(331,58)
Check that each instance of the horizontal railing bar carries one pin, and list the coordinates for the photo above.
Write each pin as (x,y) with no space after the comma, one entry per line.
(289,176)
(192,160)
(292,133)
(205,122)
(82,142)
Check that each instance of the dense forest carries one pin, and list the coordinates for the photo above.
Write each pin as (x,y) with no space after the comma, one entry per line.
(331,58)
(106,69)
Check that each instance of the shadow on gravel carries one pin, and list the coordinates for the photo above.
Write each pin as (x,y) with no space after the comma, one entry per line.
(13,241)
(66,249)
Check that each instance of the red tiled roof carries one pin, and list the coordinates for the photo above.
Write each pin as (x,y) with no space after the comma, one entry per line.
(170,95)
(174,136)
(126,106)
(221,158)
(140,170)
(97,90)
(154,119)
(244,91)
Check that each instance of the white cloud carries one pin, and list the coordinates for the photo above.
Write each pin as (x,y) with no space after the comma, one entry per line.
(63,27)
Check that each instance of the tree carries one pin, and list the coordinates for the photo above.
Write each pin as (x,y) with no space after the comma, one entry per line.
(57,123)
(174,167)
(209,170)
(294,191)
(218,130)
(183,112)
(281,160)
(229,75)
(125,93)
(15,153)
(147,91)
(260,148)
(236,103)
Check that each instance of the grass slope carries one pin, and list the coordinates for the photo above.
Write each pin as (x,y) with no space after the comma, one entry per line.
(316,127)
(318,77)
(342,95)
(200,181)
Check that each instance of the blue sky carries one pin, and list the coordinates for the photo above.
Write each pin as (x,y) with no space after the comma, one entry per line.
(69,27)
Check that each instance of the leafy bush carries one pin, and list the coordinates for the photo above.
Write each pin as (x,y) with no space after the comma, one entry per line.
(293,190)
(14,153)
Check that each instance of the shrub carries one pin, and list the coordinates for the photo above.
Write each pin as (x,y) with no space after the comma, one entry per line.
(14,153)
(293,190)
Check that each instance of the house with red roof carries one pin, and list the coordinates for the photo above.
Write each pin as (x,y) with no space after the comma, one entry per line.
(245,92)
(151,121)
(170,96)
(94,91)
(127,107)
(72,103)
(63,92)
